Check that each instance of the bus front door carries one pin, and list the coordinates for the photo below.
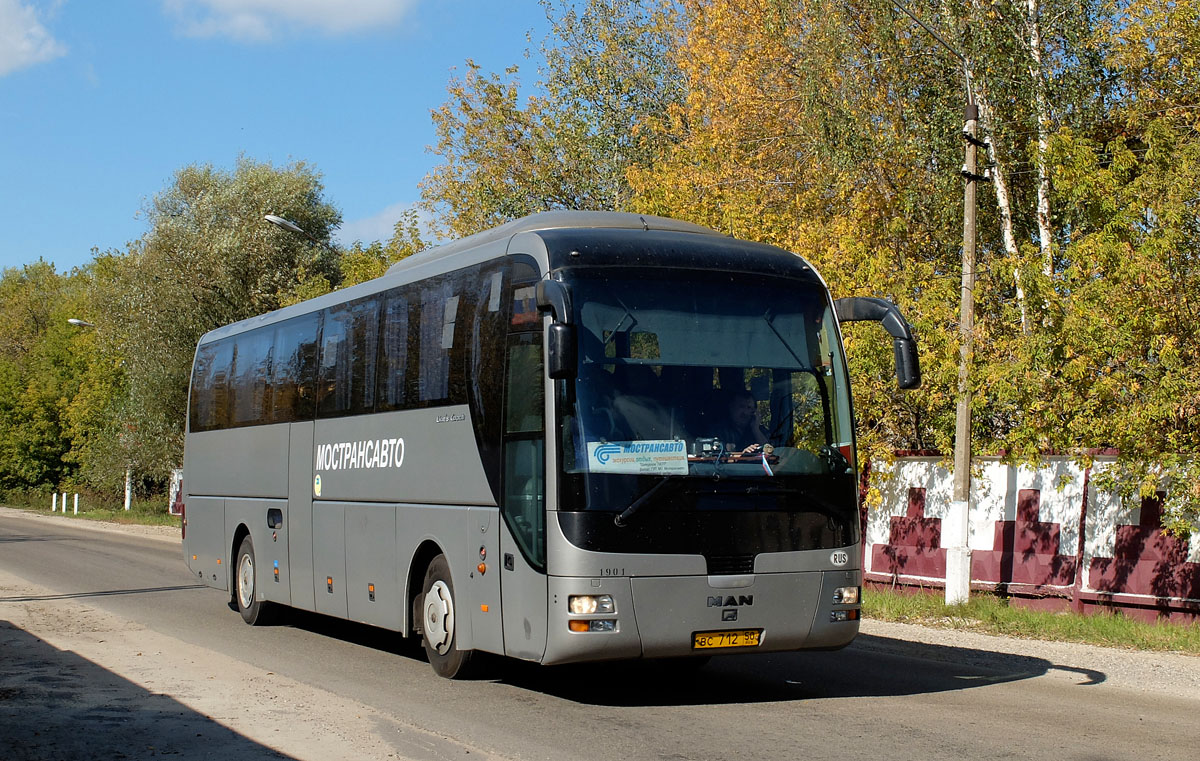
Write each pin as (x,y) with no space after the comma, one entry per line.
(522,534)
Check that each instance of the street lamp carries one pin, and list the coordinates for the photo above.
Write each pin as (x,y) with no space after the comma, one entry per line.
(286,224)
(80,323)
(292,227)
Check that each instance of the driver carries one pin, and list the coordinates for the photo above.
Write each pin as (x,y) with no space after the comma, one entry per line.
(740,431)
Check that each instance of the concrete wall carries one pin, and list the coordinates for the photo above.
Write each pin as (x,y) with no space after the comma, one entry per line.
(1024,533)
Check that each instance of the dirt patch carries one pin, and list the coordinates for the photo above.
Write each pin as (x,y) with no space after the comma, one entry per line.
(80,683)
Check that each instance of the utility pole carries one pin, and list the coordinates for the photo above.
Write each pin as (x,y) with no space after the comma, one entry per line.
(958,550)
(955,526)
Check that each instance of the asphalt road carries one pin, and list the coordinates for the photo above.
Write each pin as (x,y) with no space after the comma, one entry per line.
(79,601)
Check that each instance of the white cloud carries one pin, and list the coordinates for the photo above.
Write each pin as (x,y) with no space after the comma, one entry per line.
(258,20)
(23,39)
(381,226)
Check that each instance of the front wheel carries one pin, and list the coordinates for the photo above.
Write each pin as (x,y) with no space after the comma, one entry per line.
(254,612)
(437,612)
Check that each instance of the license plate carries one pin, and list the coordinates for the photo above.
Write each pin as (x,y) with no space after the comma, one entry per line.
(735,638)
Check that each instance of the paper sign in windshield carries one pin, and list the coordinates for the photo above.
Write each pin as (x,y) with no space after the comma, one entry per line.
(642,457)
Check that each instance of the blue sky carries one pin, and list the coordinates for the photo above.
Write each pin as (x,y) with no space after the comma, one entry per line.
(102,100)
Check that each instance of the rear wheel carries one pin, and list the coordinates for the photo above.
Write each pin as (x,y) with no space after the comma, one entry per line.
(436,611)
(254,612)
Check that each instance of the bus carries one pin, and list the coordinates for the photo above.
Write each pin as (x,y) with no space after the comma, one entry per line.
(518,443)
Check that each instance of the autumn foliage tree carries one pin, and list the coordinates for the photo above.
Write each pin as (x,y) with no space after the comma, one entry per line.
(833,129)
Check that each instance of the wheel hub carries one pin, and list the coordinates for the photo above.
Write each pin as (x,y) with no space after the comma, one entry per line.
(246,581)
(439,617)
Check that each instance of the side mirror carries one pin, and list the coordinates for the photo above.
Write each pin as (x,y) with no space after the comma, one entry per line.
(561,351)
(908,368)
(904,346)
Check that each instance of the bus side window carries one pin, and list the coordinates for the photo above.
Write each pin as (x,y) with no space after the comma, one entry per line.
(293,369)
(348,356)
(219,385)
(524,448)
(251,378)
(393,353)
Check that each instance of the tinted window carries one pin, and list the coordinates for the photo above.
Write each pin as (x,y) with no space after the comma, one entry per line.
(251,378)
(393,359)
(349,348)
(486,365)
(200,410)
(439,314)
(294,369)
(222,400)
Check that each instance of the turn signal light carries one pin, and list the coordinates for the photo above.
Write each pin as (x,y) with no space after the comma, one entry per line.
(592,626)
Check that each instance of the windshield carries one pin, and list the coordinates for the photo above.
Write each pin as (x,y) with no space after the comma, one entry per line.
(730,384)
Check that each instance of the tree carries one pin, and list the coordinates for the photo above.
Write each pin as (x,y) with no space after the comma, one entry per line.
(1117,363)
(817,128)
(608,74)
(40,368)
(207,259)
(360,263)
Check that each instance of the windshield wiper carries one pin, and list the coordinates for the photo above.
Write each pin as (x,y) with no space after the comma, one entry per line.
(612,334)
(622,519)
(768,317)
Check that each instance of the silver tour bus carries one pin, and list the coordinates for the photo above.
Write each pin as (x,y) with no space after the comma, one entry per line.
(575,437)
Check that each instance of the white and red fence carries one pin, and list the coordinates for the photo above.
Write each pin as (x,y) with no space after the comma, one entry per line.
(1042,535)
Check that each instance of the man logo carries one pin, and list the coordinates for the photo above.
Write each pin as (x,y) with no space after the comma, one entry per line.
(730,601)
(729,614)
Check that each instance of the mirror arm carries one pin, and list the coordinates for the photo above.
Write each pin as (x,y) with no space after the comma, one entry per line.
(861,308)
(553,296)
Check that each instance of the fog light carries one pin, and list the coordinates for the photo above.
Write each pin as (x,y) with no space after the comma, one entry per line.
(845,596)
(586,605)
(838,616)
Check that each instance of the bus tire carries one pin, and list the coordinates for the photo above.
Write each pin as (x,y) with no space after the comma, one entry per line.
(438,611)
(245,581)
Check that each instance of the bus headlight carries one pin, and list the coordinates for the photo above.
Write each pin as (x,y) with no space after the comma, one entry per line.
(586,605)
(845,596)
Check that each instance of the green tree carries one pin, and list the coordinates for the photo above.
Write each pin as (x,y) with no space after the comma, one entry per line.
(40,371)
(207,259)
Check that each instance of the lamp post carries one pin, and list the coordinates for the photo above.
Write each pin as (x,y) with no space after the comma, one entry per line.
(956,526)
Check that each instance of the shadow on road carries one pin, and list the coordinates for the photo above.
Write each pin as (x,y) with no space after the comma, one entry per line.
(872,666)
(57,705)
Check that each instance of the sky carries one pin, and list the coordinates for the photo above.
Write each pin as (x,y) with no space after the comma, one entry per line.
(101,101)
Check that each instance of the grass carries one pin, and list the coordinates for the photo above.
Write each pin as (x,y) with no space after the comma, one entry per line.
(991,614)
